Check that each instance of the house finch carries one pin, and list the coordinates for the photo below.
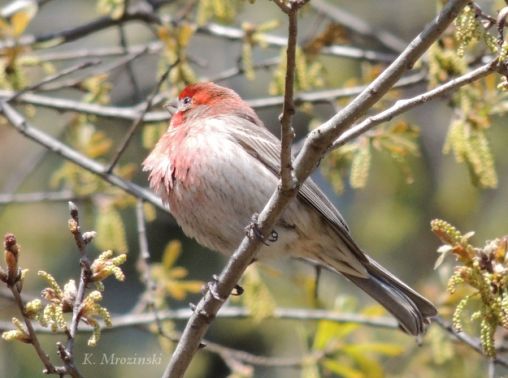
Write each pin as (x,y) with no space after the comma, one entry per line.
(217,165)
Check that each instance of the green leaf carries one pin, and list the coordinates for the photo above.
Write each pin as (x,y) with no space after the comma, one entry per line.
(385,349)
(328,331)
(341,369)
(171,252)
(368,365)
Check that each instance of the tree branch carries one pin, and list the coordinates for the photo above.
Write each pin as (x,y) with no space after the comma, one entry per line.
(233,312)
(288,108)
(404,105)
(350,52)
(137,13)
(358,25)
(65,195)
(139,119)
(316,145)
(21,125)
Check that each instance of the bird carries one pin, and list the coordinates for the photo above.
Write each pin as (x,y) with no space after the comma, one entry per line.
(217,165)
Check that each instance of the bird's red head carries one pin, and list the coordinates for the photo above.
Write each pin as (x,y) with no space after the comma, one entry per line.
(204,100)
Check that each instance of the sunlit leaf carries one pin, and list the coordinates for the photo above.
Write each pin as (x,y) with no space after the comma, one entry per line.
(171,253)
(341,369)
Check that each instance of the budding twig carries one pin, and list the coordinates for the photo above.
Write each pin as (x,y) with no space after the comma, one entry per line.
(67,352)
(11,247)
(21,125)
(404,105)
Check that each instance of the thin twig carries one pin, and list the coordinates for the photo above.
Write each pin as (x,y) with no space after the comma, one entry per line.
(99,52)
(404,105)
(233,312)
(239,70)
(138,13)
(125,60)
(236,34)
(58,75)
(144,267)
(130,133)
(114,112)
(63,104)
(67,353)
(466,339)
(125,45)
(491,372)
(54,145)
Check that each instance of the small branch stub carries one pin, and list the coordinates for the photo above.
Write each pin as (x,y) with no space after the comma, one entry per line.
(11,254)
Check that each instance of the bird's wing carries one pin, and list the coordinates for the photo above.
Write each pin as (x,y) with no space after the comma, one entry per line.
(264,146)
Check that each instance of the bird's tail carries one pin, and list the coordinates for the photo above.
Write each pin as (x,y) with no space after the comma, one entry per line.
(411,309)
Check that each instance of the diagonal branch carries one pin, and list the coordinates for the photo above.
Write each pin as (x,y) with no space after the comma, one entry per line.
(404,105)
(49,79)
(130,114)
(20,124)
(139,119)
(314,148)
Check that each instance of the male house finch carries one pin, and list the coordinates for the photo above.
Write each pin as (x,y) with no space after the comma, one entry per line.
(217,165)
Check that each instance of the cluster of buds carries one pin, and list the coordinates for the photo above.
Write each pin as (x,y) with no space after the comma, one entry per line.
(483,269)
(61,301)
(90,309)
(106,265)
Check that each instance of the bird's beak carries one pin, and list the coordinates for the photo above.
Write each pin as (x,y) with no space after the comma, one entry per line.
(171,106)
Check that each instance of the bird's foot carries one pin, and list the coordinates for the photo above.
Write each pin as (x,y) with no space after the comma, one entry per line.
(253,231)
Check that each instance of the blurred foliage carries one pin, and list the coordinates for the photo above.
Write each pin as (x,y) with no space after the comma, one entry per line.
(170,278)
(113,8)
(253,37)
(398,140)
(175,40)
(217,10)
(345,357)
(308,73)
(257,297)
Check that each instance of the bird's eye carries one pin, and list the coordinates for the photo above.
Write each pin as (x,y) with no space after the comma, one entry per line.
(186,100)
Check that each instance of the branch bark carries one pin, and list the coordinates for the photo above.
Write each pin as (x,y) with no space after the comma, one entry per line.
(404,105)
